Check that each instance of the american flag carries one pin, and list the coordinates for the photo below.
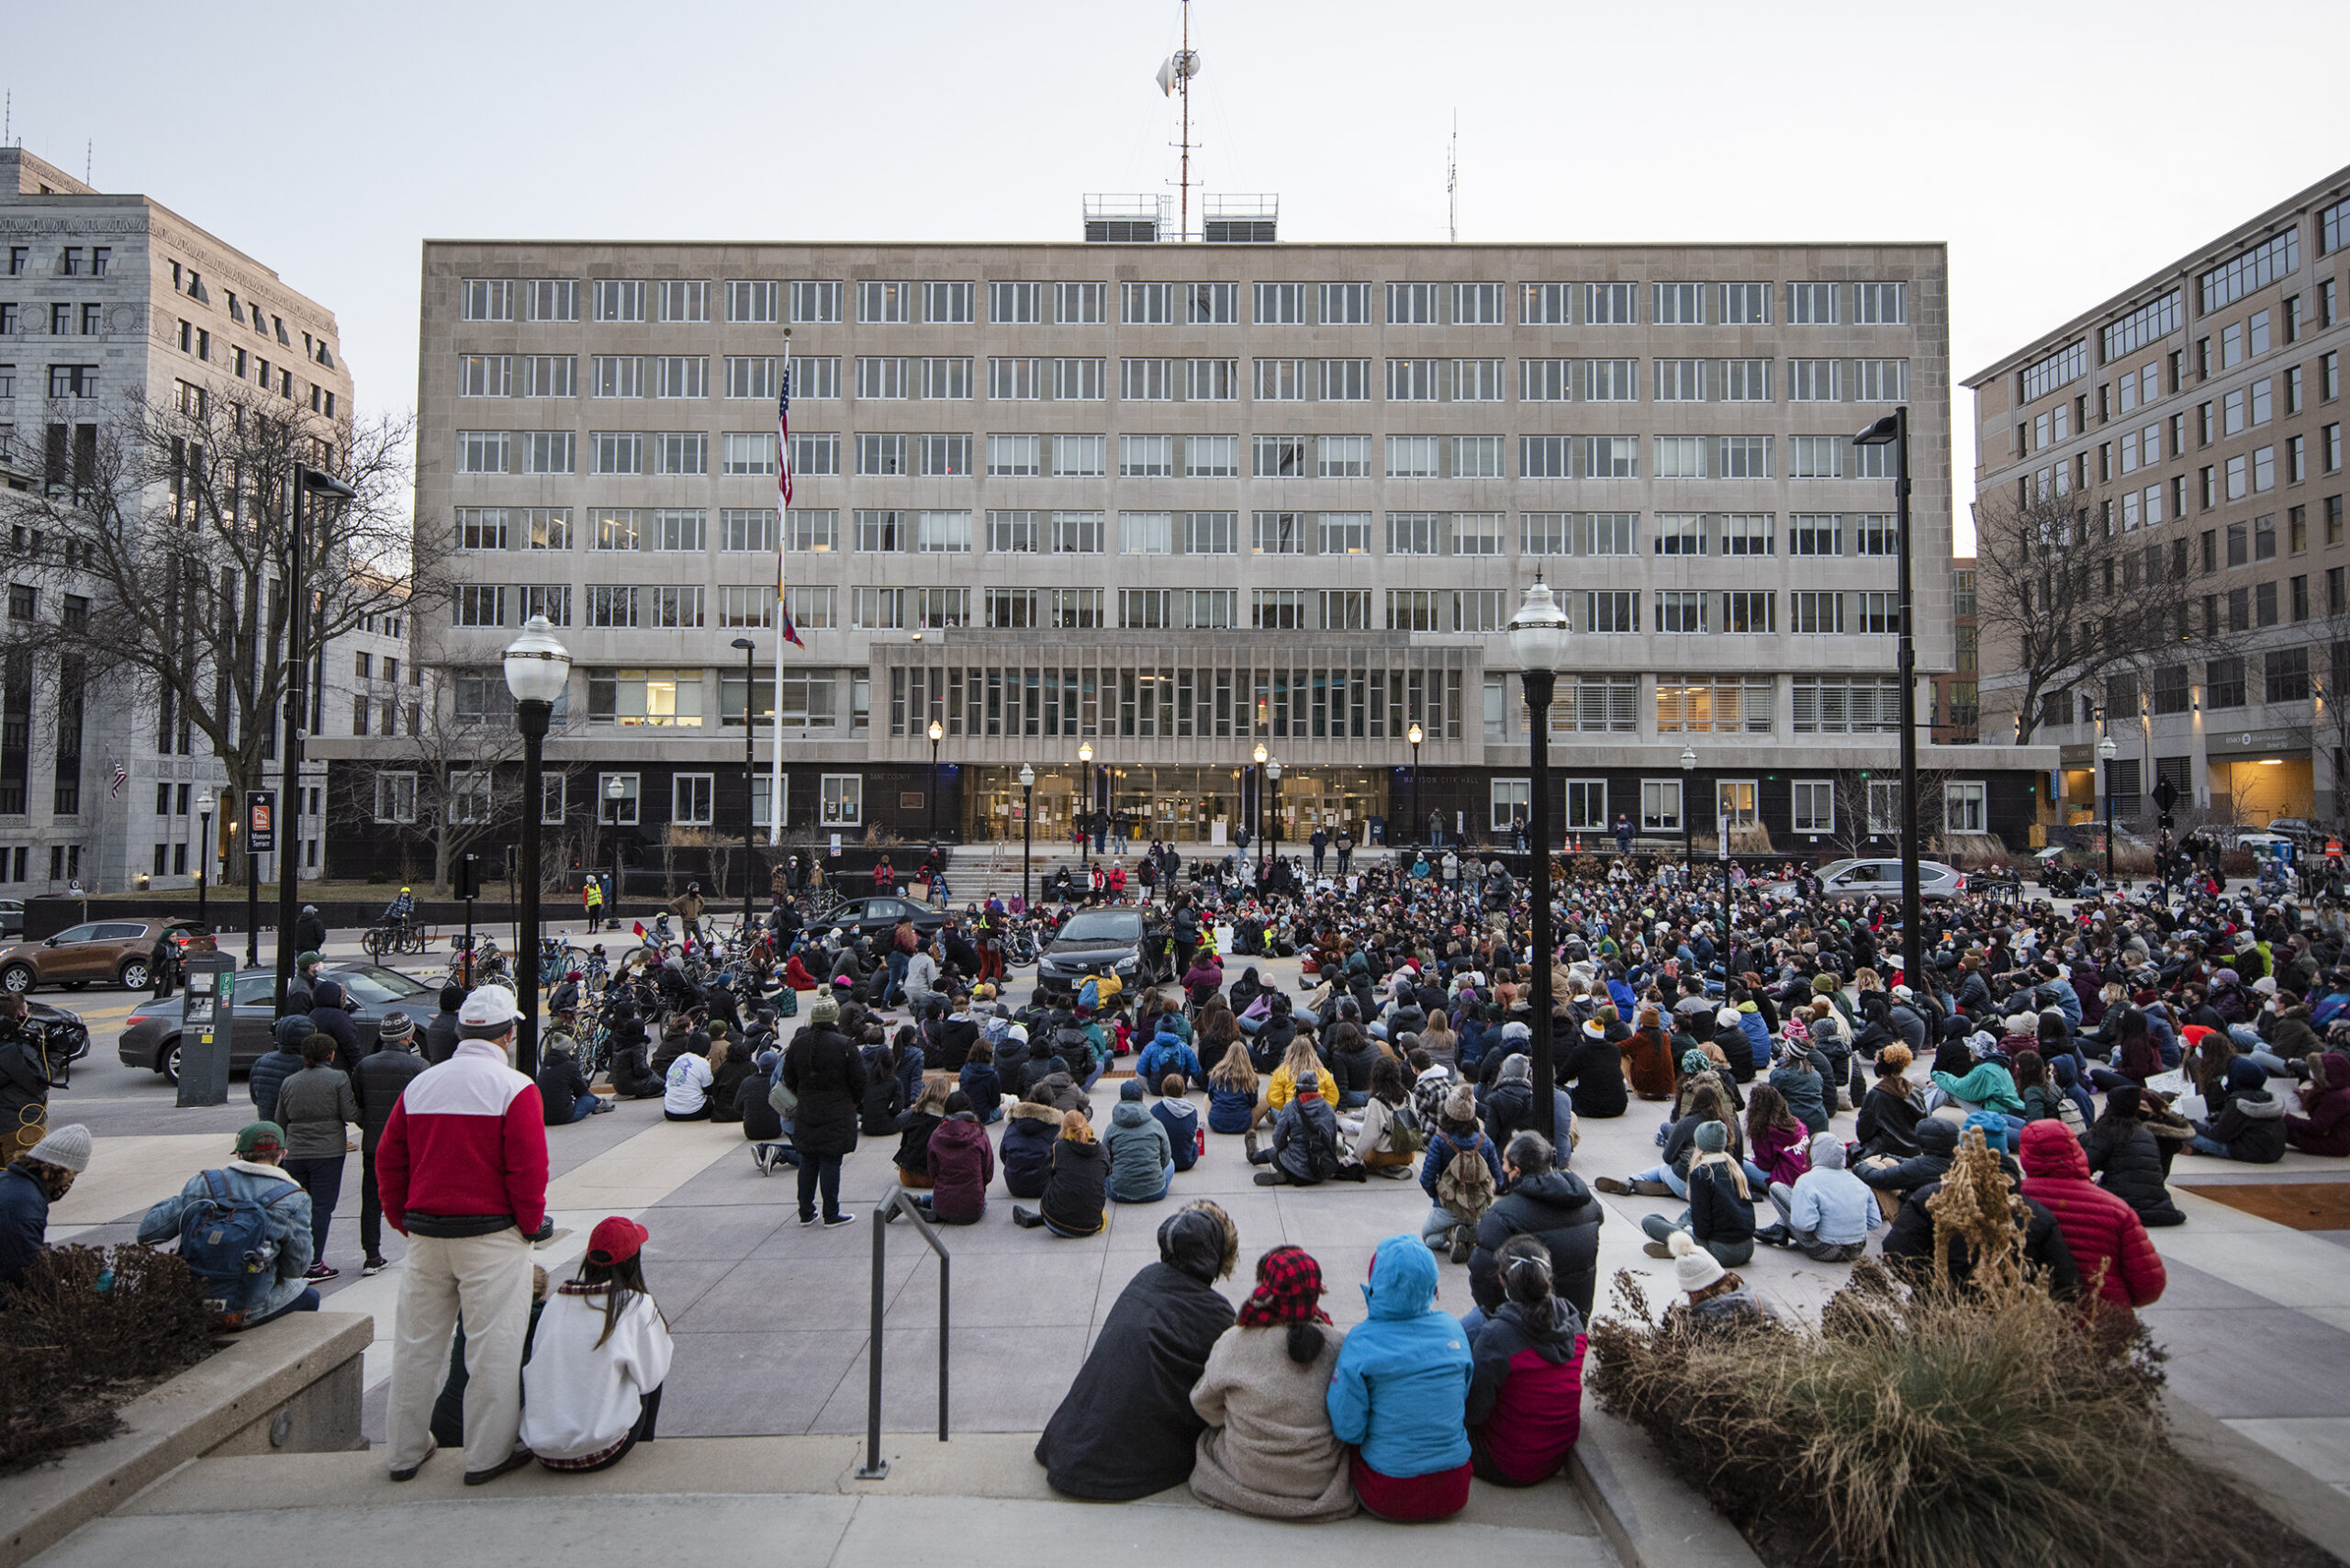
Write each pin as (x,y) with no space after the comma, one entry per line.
(121,777)
(783,489)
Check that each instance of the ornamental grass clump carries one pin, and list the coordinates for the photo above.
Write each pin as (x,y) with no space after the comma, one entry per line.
(1947,1418)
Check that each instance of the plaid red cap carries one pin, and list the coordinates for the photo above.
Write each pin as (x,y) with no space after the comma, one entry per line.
(1288,1290)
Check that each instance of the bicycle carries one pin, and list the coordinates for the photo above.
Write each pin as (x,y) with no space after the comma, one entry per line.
(393,936)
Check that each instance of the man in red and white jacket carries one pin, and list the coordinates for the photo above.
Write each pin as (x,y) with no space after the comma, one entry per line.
(462,1170)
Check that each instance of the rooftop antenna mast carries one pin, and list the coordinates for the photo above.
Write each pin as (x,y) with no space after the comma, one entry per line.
(1174,77)
(1453,182)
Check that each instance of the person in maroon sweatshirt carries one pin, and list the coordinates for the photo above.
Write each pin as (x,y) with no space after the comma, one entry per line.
(462,1171)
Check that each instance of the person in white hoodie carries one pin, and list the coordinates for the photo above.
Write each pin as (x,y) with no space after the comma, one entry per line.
(592,1388)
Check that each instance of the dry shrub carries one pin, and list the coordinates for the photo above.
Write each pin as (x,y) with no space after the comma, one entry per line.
(71,1354)
(1960,1421)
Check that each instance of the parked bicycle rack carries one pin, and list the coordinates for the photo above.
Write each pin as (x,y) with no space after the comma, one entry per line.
(899,1201)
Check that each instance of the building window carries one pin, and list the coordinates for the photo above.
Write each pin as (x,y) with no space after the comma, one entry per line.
(1513,800)
(1814,805)
(690,798)
(395,797)
(617,811)
(1659,805)
(843,796)
(1965,807)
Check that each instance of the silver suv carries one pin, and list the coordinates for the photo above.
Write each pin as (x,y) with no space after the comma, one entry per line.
(1879,878)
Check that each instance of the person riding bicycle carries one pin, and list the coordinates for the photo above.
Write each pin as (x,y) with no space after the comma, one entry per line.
(688,906)
(401,909)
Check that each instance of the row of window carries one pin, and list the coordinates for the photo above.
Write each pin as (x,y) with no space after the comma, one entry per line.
(818,530)
(885,302)
(695,607)
(819,454)
(955,379)
(2278,675)
(2246,473)
(692,797)
(2141,386)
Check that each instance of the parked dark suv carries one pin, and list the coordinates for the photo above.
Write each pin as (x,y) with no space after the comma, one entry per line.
(1097,942)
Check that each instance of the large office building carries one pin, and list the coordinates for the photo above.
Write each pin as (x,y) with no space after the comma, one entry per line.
(1173,502)
(2199,410)
(107,300)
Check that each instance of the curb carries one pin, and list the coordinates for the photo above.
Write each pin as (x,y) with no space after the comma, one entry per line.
(1650,1517)
(211,1404)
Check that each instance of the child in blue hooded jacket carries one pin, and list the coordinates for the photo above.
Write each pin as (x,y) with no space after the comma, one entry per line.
(1401,1389)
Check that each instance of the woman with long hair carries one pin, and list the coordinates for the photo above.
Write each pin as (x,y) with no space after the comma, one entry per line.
(1079,1188)
(1780,1142)
(1299,1063)
(1235,1103)
(591,1390)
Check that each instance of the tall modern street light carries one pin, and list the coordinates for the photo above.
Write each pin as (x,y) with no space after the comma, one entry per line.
(307,481)
(1688,824)
(1027,828)
(614,794)
(204,861)
(1894,431)
(750,783)
(1416,735)
(1258,816)
(937,733)
(1537,638)
(2105,750)
(537,669)
(1085,819)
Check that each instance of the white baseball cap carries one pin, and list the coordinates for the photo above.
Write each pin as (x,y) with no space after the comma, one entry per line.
(488,1012)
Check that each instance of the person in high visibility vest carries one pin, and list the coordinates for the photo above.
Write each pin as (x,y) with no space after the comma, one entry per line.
(591,898)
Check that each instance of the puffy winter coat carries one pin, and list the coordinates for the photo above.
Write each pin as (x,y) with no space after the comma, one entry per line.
(961,1166)
(2103,1232)
(1806,1093)
(1557,1209)
(1595,1068)
(1139,1152)
(2122,1150)
(1782,1152)
(1402,1384)
(382,1075)
(824,1070)
(1029,1132)
(2252,1124)
(1526,1388)
(1077,1188)
(878,1105)
(2325,1128)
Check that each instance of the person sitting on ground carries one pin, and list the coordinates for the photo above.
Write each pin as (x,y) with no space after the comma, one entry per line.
(1268,1448)
(2120,1149)
(1892,1178)
(563,1096)
(632,1074)
(591,1388)
(914,1128)
(1400,1392)
(1384,1142)
(1720,1215)
(1029,1135)
(221,1256)
(1595,1068)
(1142,1159)
(980,1083)
(1308,1147)
(1299,1064)
(1075,1193)
(961,1165)
(2247,1121)
(33,1180)
(730,1059)
(1525,1405)
(2323,1125)
(1891,1110)
(1800,1084)
(1126,1428)
(755,1106)
(1168,1056)
(1671,1176)
(1828,1212)
(685,1095)
(1235,1103)
(1461,1174)
(1647,1058)
(1911,1240)
(1719,1299)
(1182,1120)
(2108,1241)
(1779,1143)
(1555,1208)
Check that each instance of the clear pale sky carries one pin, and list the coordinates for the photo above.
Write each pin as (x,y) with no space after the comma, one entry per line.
(2064,150)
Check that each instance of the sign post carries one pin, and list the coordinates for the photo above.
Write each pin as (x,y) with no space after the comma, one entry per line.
(207,1024)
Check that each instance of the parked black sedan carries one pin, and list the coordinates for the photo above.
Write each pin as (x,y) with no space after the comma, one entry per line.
(150,1037)
(879,914)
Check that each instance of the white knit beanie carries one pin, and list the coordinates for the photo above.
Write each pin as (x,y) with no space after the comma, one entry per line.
(67,1147)
(1693,1266)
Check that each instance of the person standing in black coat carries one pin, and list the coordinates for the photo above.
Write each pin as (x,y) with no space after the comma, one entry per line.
(1126,1428)
(309,931)
(1555,1208)
(440,1029)
(823,1069)
(332,1015)
(382,1074)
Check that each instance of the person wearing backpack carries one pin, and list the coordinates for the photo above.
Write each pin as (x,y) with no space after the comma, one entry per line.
(243,1231)
(1462,1174)
(1308,1149)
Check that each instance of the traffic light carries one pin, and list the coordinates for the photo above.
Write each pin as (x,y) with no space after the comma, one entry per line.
(467,874)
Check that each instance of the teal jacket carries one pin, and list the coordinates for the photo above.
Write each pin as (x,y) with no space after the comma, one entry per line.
(1986,1085)
(1401,1388)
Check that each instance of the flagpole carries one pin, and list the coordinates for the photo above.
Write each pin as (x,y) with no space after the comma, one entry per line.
(782,533)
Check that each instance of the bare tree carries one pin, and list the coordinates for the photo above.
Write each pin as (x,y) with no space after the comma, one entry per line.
(2329,718)
(2061,599)
(168,532)
(1861,835)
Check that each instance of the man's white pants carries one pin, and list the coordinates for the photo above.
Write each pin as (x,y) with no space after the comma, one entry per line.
(488,1278)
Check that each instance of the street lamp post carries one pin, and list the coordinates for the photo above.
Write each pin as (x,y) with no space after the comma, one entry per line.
(1537,637)
(1892,431)
(2105,750)
(750,783)
(937,733)
(1085,821)
(307,481)
(1256,817)
(1027,828)
(537,669)
(1416,735)
(204,861)
(1273,842)
(614,792)
(1688,782)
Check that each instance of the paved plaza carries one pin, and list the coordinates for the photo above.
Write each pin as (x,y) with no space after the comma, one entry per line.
(771,1319)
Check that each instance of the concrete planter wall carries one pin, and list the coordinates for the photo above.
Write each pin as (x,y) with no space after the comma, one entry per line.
(291,1386)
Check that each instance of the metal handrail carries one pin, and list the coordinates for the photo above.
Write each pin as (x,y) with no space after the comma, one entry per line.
(899,1201)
